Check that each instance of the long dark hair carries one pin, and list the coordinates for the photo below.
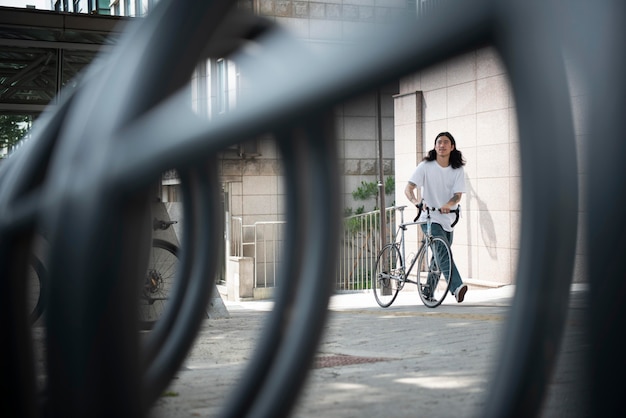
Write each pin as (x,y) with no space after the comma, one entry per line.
(456,157)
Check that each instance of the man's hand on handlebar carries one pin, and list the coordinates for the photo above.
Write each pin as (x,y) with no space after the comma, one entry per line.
(444,209)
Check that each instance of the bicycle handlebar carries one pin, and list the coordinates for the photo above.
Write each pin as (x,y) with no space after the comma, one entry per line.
(161,224)
(421,207)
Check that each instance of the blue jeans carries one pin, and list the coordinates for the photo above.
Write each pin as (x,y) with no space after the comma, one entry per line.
(438,231)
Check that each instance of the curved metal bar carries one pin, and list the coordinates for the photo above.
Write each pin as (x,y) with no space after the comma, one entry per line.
(207,239)
(192,290)
(276,373)
(161,330)
(279,392)
(603,59)
(547,248)
(88,141)
(292,148)
(86,166)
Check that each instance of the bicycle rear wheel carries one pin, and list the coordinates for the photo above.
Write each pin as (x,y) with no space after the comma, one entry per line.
(158,281)
(434,267)
(388,279)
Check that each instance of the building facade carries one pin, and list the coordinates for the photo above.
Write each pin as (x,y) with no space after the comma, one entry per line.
(252,171)
(470,96)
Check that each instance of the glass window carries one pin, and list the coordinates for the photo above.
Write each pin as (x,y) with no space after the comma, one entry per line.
(222,86)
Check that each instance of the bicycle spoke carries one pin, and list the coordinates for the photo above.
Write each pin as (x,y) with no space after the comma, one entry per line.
(433,272)
(158,282)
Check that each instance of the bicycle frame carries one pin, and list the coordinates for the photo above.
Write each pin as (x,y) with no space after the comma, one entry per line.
(422,246)
(402,247)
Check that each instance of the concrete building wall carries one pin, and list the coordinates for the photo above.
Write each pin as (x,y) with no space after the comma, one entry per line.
(356,122)
(254,184)
(470,96)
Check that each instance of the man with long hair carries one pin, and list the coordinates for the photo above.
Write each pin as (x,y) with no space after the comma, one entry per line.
(441,179)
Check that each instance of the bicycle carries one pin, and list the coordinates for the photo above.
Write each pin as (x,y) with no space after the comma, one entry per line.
(157,283)
(160,276)
(433,259)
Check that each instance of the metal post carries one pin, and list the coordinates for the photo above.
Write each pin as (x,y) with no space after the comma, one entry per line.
(381,173)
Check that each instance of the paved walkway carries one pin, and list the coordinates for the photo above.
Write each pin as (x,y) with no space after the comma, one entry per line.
(430,362)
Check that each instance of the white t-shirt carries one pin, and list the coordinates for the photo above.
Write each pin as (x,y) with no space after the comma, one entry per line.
(438,184)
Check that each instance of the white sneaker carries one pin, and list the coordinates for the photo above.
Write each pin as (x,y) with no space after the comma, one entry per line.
(460,293)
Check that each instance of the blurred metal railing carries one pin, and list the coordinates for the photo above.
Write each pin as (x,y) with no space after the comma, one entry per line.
(268,252)
(265,240)
(83,182)
(359,248)
(237,234)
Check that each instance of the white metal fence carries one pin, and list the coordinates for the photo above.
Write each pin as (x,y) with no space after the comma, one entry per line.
(360,245)
(263,241)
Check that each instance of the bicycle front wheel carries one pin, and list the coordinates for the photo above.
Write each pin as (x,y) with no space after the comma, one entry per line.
(389,275)
(158,281)
(434,268)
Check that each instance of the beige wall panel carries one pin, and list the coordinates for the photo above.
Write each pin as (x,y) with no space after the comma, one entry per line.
(466,260)
(462,100)
(388,150)
(464,231)
(494,161)
(361,128)
(461,69)
(259,185)
(432,129)
(472,161)
(494,229)
(488,63)
(405,141)
(516,229)
(513,264)
(492,127)
(434,77)
(258,205)
(494,193)
(515,167)
(361,149)
(464,130)
(513,126)
(494,264)
(435,105)
(405,110)
(405,164)
(492,93)
(515,193)
(236,203)
(387,129)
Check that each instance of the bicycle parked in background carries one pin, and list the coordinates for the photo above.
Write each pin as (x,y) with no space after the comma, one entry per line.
(160,275)
(433,259)
(157,283)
